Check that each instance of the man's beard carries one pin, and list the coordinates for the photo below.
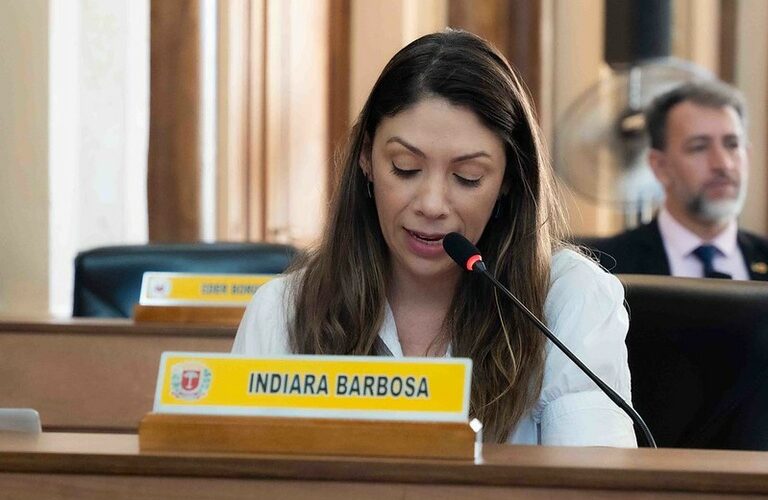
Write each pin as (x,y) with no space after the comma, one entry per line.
(717,210)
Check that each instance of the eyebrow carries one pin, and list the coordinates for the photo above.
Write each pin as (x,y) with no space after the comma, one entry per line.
(707,137)
(413,149)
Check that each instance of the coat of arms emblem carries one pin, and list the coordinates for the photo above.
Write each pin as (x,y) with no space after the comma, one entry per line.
(190,380)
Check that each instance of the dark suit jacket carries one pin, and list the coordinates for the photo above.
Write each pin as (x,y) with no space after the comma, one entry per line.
(731,421)
(641,251)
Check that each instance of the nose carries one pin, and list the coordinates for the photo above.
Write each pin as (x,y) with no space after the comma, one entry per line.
(432,198)
(723,158)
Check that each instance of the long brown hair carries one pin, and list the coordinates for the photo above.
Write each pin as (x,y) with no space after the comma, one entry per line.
(340,293)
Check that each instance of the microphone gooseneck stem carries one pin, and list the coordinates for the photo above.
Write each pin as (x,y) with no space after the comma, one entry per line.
(636,418)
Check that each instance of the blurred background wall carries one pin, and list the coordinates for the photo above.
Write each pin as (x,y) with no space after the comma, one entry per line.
(127,121)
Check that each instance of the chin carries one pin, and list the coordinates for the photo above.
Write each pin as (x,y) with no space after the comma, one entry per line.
(434,270)
(719,210)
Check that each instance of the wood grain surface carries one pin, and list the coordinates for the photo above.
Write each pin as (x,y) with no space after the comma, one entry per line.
(306,436)
(92,375)
(114,464)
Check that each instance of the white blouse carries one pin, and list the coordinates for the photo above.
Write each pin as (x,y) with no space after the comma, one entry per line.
(584,308)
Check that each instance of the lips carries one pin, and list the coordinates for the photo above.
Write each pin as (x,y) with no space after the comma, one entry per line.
(426,245)
(428,238)
(721,185)
(723,182)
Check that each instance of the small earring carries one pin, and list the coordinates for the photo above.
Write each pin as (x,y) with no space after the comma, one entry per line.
(497,209)
(368,187)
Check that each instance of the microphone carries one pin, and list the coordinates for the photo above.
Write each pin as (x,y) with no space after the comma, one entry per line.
(467,256)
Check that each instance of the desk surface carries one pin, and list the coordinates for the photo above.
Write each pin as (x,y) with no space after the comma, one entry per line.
(109,326)
(92,374)
(503,469)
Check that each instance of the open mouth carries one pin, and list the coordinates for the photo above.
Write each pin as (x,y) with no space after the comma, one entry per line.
(427,238)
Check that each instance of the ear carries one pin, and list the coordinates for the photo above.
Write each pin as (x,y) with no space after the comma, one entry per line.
(364,160)
(658,162)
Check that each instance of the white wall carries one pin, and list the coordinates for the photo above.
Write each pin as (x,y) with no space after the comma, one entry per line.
(99,108)
(23,156)
(74,77)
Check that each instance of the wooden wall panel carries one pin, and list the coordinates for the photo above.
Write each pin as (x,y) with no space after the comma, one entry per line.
(514,26)
(524,44)
(239,161)
(296,119)
(92,375)
(173,171)
(728,20)
(752,79)
(257,196)
(695,32)
(339,77)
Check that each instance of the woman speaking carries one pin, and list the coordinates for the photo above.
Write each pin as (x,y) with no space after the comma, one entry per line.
(447,142)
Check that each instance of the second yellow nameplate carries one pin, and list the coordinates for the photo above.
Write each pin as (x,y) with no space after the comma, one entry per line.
(174,289)
(360,387)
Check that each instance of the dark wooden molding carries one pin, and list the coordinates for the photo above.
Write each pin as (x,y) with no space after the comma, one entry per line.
(728,20)
(339,87)
(173,171)
(487,19)
(513,26)
(524,44)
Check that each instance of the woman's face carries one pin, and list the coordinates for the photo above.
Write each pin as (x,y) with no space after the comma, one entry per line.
(435,169)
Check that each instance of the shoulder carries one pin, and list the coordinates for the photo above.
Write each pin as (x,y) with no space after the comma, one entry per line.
(264,327)
(757,242)
(630,251)
(272,294)
(576,278)
(629,240)
(567,262)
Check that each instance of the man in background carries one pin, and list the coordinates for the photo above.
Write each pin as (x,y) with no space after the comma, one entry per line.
(699,154)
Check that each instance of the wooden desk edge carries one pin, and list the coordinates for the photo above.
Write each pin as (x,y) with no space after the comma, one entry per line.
(112,326)
(512,466)
(189,315)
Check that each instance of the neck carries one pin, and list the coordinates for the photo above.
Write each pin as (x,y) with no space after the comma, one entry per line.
(405,287)
(419,307)
(704,229)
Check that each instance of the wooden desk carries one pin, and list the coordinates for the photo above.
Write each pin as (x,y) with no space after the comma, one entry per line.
(89,466)
(92,375)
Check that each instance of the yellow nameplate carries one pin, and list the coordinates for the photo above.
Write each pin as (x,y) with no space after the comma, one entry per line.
(166,289)
(360,387)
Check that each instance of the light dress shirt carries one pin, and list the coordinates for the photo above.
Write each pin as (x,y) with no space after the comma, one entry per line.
(680,242)
(584,308)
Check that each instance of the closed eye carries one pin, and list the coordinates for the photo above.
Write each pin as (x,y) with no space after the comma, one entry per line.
(465,181)
(403,172)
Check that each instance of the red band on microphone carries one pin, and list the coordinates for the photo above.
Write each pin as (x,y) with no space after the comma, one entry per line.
(472,261)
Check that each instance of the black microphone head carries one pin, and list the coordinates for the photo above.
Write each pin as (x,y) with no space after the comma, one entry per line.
(461,250)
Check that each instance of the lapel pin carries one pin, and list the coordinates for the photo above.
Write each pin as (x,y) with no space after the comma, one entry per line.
(759,267)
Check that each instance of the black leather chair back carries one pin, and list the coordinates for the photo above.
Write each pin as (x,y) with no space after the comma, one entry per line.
(698,354)
(108,279)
